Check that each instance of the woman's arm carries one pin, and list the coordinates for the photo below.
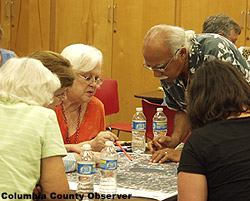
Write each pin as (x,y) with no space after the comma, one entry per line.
(53,178)
(192,187)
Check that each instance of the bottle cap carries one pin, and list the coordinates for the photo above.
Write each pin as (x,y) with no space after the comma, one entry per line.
(139,109)
(159,109)
(109,143)
(86,147)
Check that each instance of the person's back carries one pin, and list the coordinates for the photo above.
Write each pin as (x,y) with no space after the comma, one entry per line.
(31,147)
(221,149)
(215,160)
(27,135)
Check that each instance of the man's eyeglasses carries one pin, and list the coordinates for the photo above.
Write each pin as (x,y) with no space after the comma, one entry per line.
(160,67)
(90,80)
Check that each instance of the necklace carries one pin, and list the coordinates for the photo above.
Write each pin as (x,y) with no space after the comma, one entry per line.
(78,123)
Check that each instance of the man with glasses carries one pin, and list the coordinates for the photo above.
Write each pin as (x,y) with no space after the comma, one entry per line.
(174,55)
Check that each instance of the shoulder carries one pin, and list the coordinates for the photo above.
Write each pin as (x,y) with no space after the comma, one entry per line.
(95,102)
(7,52)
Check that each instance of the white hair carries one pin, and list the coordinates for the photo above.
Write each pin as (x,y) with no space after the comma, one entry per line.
(173,36)
(27,80)
(83,58)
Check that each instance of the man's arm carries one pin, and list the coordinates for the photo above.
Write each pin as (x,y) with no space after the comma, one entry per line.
(180,131)
(181,128)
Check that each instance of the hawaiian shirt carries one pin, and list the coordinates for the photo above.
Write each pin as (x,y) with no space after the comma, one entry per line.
(204,47)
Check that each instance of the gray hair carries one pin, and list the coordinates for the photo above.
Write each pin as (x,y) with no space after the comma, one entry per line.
(220,23)
(172,36)
(27,80)
(83,58)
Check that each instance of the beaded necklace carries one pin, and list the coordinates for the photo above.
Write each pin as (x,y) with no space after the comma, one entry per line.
(78,123)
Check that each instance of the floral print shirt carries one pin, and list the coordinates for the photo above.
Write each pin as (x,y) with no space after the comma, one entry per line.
(204,47)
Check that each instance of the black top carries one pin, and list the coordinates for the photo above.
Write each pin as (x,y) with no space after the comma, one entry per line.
(221,152)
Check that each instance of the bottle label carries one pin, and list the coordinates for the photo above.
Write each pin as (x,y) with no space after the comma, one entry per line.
(139,125)
(159,125)
(85,168)
(108,164)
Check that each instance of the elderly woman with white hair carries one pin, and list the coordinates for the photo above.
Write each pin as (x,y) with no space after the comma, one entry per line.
(81,115)
(31,147)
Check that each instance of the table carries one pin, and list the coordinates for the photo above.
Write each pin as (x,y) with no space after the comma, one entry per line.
(144,180)
(155,96)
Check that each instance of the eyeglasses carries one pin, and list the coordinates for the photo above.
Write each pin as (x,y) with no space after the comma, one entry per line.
(90,80)
(160,67)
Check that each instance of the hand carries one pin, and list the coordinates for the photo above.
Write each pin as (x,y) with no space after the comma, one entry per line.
(98,143)
(163,155)
(97,158)
(73,148)
(161,142)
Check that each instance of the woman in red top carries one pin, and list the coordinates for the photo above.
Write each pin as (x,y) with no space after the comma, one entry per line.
(81,115)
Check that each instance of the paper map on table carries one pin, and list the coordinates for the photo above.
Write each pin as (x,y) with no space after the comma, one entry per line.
(140,177)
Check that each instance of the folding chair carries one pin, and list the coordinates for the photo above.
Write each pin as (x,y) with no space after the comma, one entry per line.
(149,110)
(108,94)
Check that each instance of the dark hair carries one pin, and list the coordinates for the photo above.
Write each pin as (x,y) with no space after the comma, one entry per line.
(220,23)
(216,92)
(57,64)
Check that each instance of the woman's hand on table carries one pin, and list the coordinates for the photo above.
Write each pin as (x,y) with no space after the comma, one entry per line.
(163,155)
(98,143)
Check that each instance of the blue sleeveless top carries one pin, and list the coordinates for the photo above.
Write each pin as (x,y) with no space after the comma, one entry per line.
(6,54)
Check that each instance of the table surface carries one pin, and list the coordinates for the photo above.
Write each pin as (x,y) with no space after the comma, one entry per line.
(141,178)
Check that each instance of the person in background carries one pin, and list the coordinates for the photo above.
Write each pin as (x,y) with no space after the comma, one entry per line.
(5,54)
(31,145)
(174,55)
(215,159)
(81,115)
(223,25)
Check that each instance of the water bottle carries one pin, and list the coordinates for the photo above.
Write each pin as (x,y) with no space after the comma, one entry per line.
(108,168)
(138,131)
(86,170)
(159,123)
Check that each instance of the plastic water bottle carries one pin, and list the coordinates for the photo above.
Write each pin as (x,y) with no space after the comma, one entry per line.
(159,123)
(108,169)
(138,131)
(86,170)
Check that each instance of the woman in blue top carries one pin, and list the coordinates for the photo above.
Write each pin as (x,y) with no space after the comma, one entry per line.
(5,54)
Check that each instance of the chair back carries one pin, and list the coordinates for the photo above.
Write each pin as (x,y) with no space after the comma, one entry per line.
(149,110)
(108,94)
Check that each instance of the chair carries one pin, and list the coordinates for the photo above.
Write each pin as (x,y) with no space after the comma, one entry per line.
(149,110)
(108,94)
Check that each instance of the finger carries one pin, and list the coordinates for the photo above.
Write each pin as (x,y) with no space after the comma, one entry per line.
(164,139)
(159,157)
(165,158)
(150,146)
(157,145)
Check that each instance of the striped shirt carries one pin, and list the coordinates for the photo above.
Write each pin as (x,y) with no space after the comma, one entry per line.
(28,134)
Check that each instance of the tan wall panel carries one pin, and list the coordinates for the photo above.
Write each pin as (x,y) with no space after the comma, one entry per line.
(5,21)
(191,14)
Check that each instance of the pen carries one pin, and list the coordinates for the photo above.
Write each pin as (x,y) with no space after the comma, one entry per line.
(118,144)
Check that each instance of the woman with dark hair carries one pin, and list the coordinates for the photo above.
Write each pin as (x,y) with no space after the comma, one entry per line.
(215,160)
